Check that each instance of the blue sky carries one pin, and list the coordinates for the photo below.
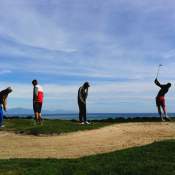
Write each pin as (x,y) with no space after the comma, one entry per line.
(116,45)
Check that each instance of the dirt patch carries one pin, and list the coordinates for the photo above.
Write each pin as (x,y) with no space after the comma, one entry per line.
(84,143)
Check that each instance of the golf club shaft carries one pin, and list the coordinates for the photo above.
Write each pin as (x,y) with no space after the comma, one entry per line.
(158,72)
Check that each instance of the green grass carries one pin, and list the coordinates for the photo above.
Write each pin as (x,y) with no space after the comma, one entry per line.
(26,126)
(154,159)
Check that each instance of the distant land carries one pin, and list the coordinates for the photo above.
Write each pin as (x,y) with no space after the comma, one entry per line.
(21,111)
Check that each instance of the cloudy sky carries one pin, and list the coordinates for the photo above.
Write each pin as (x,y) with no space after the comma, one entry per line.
(116,45)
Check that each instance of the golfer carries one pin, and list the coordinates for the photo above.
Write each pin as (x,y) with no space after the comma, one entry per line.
(38,95)
(3,103)
(82,96)
(160,99)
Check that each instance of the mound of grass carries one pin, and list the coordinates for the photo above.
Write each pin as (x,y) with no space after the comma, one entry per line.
(154,159)
(28,126)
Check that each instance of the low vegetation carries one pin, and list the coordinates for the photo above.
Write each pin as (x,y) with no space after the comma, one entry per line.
(28,126)
(155,159)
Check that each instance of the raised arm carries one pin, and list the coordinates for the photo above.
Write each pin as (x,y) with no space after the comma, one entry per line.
(158,83)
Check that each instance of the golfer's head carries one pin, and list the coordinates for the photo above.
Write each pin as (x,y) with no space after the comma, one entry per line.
(169,85)
(34,82)
(86,85)
(9,90)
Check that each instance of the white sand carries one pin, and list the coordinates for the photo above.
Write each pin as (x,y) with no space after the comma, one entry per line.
(84,143)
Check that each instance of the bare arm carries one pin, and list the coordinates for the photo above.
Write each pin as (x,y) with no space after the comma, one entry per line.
(158,83)
(86,93)
(4,102)
(35,93)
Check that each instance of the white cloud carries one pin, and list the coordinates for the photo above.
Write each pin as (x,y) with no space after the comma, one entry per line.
(2,71)
(31,28)
(119,40)
(111,56)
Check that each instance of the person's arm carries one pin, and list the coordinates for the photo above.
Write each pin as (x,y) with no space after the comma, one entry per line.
(81,95)
(158,83)
(4,102)
(35,93)
(86,93)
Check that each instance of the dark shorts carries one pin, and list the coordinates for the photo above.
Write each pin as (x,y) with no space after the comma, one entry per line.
(37,107)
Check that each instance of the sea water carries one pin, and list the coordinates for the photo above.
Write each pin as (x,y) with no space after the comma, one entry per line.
(100,116)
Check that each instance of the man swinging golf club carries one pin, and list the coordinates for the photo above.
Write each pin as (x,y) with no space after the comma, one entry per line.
(160,98)
(82,96)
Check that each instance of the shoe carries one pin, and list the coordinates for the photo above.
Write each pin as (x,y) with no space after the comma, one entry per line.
(167,118)
(163,120)
(82,123)
(2,126)
(88,123)
(34,123)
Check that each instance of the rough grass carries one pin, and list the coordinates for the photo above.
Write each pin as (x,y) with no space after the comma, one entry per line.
(28,126)
(154,159)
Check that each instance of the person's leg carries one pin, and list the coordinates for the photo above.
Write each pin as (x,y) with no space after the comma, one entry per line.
(163,105)
(165,112)
(84,113)
(35,111)
(158,104)
(164,109)
(39,118)
(39,112)
(80,111)
(1,116)
(160,113)
(36,116)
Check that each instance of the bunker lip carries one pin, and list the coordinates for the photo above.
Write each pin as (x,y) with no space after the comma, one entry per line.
(85,143)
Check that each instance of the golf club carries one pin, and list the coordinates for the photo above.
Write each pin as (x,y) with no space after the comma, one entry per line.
(158,70)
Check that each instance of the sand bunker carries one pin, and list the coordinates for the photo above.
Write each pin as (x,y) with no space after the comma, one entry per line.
(84,143)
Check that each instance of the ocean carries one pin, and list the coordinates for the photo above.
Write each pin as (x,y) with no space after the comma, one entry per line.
(100,116)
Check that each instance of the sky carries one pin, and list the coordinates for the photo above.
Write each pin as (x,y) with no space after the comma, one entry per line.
(116,45)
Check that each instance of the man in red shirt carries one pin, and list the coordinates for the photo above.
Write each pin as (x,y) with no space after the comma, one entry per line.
(160,99)
(38,95)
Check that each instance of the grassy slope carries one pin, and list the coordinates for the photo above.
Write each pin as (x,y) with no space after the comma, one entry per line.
(154,159)
(27,126)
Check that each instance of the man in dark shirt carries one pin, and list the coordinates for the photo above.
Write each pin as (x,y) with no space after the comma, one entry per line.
(160,99)
(82,96)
